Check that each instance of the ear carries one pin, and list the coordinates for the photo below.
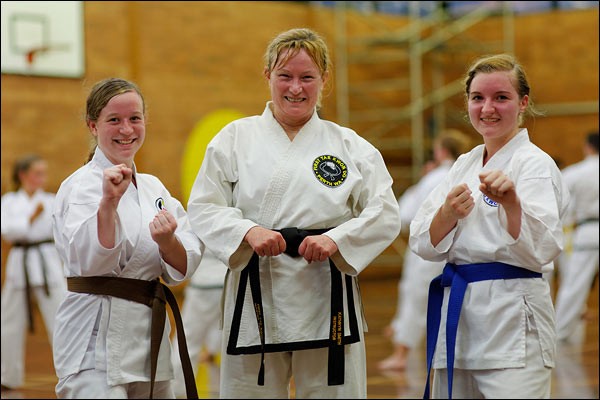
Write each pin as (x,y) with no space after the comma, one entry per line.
(325,77)
(524,103)
(267,74)
(93,127)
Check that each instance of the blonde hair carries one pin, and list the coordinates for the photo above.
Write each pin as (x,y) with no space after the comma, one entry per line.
(295,40)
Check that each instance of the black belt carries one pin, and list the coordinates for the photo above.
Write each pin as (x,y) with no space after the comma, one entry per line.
(153,294)
(26,246)
(336,341)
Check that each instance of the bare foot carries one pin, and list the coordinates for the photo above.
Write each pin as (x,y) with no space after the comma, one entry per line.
(388,331)
(393,362)
(397,361)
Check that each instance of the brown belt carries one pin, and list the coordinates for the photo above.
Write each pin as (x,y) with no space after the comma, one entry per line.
(26,246)
(153,294)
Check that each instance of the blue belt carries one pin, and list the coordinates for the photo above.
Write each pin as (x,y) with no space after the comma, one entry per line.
(458,277)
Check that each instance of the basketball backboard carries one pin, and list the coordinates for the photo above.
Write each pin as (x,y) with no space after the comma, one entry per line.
(43,38)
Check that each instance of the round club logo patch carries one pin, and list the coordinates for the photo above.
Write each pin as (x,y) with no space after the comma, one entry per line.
(159,203)
(330,170)
(489,201)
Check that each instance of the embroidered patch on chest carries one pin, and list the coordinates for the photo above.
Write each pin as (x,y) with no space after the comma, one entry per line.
(330,170)
(489,201)
(159,203)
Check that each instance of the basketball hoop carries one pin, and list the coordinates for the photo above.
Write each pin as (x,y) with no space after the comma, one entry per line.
(31,54)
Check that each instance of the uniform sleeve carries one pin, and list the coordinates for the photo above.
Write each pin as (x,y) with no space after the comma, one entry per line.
(420,239)
(15,221)
(211,211)
(75,227)
(377,218)
(544,200)
(194,248)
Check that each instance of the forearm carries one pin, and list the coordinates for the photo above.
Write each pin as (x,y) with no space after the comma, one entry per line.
(513,220)
(440,226)
(174,254)
(107,217)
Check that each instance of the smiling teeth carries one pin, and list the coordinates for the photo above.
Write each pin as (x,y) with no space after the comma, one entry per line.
(125,141)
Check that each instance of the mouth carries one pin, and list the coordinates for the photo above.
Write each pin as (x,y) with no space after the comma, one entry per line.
(125,142)
(489,120)
(294,100)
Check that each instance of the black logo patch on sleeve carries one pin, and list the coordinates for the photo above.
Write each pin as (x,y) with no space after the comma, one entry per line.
(330,170)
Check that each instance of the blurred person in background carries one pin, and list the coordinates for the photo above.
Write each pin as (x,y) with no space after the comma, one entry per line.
(408,324)
(578,273)
(34,272)
(297,207)
(201,315)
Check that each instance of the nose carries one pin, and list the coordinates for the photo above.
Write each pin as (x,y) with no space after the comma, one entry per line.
(126,127)
(488,106)
(296,86)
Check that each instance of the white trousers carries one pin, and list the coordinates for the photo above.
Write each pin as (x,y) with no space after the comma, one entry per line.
(576,280)
(239,374)
(14,321)
(92,384)
(410,320)
(201,313)
(530,382)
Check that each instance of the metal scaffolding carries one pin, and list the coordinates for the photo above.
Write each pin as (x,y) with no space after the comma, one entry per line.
(421,43)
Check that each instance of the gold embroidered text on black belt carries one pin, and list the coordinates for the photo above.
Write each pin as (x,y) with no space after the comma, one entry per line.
(336,341)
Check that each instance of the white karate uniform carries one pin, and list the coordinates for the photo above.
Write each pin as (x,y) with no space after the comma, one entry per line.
(411,311)
(578,273)
(327,177)
(201,315)
(107,333)
(17,207)
(499,316)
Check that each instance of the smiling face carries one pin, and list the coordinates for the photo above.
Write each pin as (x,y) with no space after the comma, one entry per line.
(120,128)
(295,86)
(494,106)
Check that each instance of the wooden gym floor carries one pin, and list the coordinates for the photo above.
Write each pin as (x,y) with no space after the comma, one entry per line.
(575,376)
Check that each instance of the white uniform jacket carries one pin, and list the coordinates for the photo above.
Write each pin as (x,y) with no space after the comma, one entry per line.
(415,195)
(327,177)
(210,274)
(582,181)
(17,207)
(497,313)
(123,344)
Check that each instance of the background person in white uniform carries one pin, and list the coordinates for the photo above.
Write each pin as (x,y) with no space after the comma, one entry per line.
(201,315)
(27,226)
(297,207)
(578,273)
(408,324)
(497,216)
(117,228)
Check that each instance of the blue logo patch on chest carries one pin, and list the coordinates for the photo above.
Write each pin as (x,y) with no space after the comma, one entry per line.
(489,201)
(330,170)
